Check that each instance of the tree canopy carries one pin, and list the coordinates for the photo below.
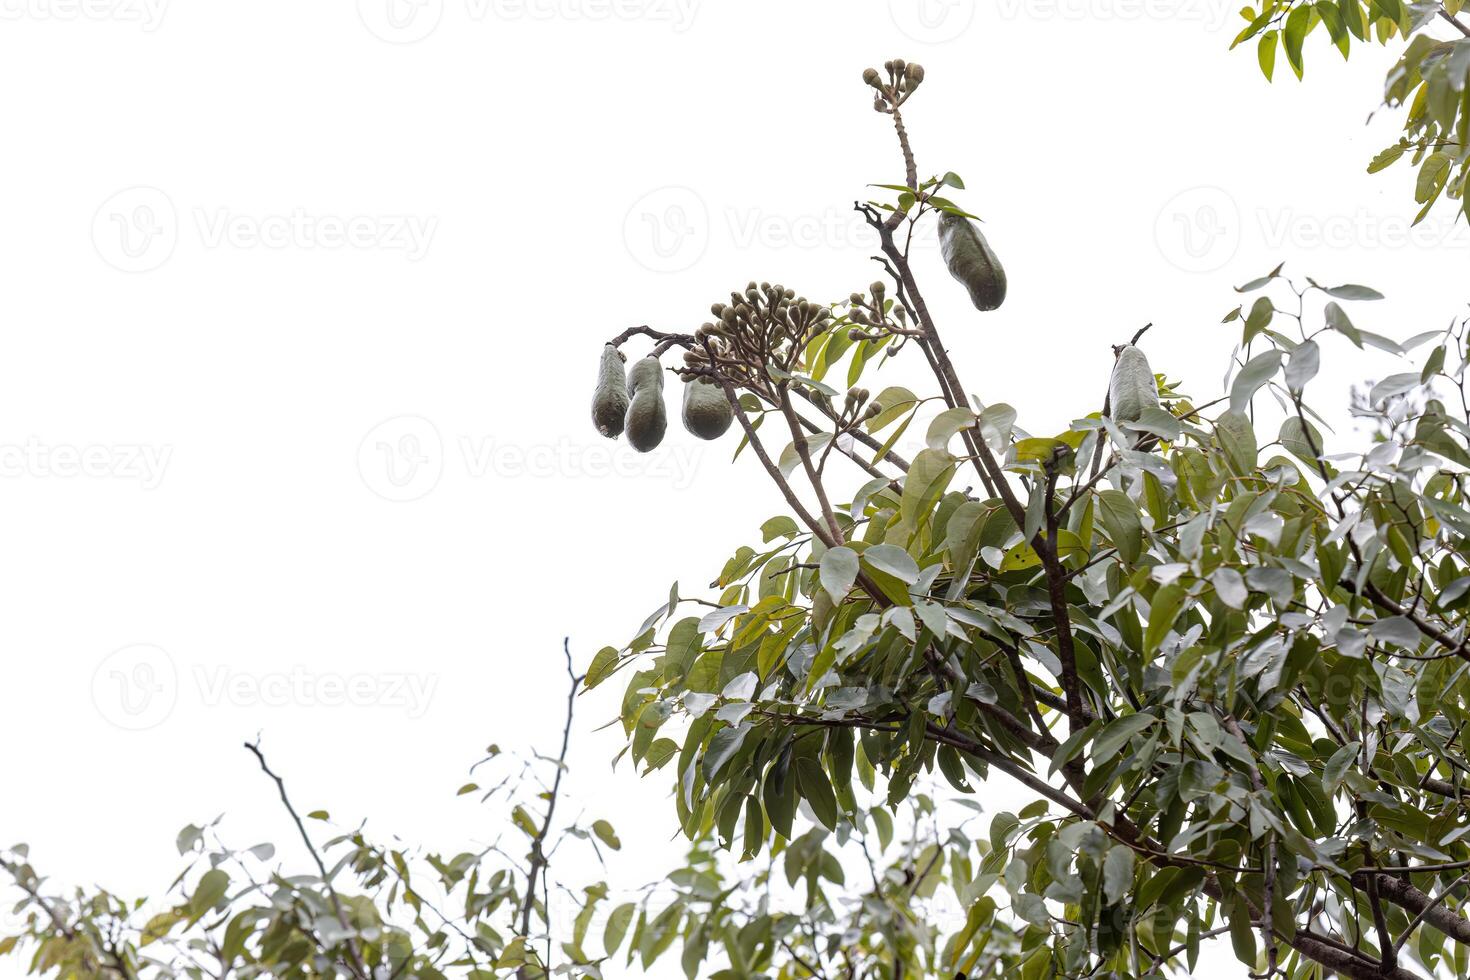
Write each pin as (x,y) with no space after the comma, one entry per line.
(1224,661)
(1229,667)
(1428,83)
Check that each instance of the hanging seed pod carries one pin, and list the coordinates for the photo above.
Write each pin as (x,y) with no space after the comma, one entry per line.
(647,418)
(971,261)
(610,400)
(1132,387)
(707,412)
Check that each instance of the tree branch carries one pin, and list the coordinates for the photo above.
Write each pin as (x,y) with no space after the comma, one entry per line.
(359,967)
(538,858)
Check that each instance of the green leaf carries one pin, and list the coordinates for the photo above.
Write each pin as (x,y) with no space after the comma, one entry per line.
(1242,937)
(1257,371)
(1301,439)
(816,789)
(1252,29)
(838,570)
(1351,291)
(1019,557)
(155,929)
(1259,318)
(617,926)
(1163,611)
(1265,54)
(522,819)
(1118,733)
(1302,365)
(1120,520)
(1337,319)
(892,402)
(1294,34)
(927,479)
(780,526)
(1230,587)
(603,664)
(892,560)
(1332,17)
(605,833)
(1117,873)
(1238,438)
(1387,158)
(947,424)
(1433,365)
(210,890)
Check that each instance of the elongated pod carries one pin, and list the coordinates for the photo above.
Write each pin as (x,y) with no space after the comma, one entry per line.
(647,418)
(1132,387)
(610,400)
(972,261)
(706,412)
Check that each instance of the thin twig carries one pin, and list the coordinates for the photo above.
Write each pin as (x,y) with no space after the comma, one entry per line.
(538,858)
(358,965)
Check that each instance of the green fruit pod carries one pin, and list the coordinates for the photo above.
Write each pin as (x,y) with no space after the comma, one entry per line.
(972,261)
(1132,387)
(647,418)
(610,400)
(706,412)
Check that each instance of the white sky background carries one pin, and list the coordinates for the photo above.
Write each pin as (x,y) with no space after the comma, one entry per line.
(510,168)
